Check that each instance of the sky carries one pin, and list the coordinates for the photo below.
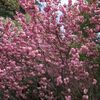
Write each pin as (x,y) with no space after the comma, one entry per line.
(66,1)
(43,5)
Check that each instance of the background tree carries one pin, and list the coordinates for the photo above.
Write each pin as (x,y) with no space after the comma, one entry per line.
(8,7)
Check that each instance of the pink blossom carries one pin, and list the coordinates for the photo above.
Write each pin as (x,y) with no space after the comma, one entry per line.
(85,97)
(68,97)
(94,82)
(59,80)
(85,91)
(84,49)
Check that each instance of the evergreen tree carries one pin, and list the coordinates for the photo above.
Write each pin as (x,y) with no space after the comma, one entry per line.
(8,7)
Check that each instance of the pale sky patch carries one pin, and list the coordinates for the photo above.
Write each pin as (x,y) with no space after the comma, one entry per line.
(66,1)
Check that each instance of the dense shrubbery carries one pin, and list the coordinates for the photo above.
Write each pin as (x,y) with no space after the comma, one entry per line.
(41,62)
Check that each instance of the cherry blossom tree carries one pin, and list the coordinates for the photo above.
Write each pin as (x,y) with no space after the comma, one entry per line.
(39,61)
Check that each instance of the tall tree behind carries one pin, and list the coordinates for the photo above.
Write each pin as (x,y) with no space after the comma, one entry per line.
(8,7)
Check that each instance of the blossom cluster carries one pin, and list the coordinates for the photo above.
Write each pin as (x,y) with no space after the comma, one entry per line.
(38,61)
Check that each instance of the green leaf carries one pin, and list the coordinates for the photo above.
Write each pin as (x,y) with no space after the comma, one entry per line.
(83,57)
